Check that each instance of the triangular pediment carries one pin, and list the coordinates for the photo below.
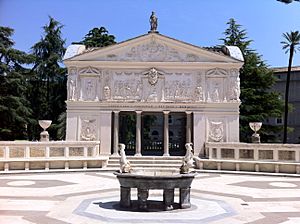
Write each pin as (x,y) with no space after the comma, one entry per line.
(153,47)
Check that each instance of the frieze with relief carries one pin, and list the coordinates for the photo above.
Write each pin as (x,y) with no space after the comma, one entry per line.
(152,50)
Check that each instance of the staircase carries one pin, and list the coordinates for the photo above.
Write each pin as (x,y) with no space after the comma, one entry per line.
(148,163)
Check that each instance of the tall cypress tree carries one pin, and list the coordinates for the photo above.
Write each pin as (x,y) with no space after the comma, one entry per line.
(15,112)
(258,101)
(48,91)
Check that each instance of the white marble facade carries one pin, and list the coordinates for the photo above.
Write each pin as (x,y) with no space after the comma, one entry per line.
(152,73)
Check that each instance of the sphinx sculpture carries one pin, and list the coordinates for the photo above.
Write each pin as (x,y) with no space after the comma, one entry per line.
(188,161)
(125,166)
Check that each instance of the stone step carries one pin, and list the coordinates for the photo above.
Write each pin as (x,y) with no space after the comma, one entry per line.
(146,169)
(115,161)
(156,163)
(148,165)
(156,158)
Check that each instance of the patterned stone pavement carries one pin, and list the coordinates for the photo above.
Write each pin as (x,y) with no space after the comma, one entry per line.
(92,197)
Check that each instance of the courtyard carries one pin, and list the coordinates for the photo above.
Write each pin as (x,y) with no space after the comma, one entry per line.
(92,197)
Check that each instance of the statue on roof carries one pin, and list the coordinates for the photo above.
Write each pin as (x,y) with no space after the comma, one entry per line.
(153,22)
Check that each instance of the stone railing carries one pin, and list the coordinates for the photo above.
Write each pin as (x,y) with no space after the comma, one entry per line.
(56,155)
(278,158)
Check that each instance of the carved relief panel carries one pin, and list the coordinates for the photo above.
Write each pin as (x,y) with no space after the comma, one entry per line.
(180,86)
(127,86)
(89,84)
(216,130)
(88,129)
(216,84)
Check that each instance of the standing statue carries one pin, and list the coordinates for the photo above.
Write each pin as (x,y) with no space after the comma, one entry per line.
(153,22)
(125,166)
(188,161)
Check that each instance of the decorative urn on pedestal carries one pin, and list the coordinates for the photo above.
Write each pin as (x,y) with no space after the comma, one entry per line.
(255,126)
(44,136)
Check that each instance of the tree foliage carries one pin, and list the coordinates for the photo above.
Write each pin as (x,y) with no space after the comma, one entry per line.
(15,112)
(98,37)
(258,101)
(48,86)
(290,44)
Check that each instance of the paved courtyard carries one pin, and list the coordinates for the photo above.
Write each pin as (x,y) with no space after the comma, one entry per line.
(92,197)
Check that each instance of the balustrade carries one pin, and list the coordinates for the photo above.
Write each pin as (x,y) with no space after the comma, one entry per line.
(56,155)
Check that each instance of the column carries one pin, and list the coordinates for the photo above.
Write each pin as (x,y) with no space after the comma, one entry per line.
(116,132)
(166,133)
(188,126)
(138,140)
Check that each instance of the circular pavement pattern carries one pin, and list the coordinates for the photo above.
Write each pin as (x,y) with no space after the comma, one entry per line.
(21,183)
(203,210)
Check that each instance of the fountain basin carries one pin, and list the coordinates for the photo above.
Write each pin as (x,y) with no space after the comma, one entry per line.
(145,182)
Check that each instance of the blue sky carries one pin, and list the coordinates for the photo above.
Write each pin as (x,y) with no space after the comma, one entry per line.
(199,22)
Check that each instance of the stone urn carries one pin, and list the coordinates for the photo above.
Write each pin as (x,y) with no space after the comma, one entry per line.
(255,126)
(44,136)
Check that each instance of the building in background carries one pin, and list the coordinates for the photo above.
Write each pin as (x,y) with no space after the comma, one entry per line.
(294,99)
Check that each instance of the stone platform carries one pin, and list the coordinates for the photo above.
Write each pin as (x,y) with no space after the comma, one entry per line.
(93,197)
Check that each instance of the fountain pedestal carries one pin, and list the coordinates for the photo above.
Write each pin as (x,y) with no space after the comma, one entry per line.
(144,183)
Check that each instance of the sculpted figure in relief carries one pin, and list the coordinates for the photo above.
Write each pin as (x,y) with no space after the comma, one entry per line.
(89,90)
(236,90)
(215,95)
(72,89)
(106,92)
(199,94)
(153,22)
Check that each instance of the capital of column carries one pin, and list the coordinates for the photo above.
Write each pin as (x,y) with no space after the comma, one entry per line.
(188,112)
(116,111)
(166,111)
(138,112)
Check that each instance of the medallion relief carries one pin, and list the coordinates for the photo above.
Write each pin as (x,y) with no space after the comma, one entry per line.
(88,129)
(216,131)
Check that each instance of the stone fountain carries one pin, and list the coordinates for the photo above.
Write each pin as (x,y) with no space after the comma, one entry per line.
(44,136)
(144,181)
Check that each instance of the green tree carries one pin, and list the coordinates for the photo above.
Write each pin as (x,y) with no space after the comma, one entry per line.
(15,112)
(48,91)
(258,102)
(98,37)
(290,44)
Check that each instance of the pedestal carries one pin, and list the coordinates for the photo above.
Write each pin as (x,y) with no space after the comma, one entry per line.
(169,198)
(44,136)
(185,197)
(142,198)
(255,138)
(125,195)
